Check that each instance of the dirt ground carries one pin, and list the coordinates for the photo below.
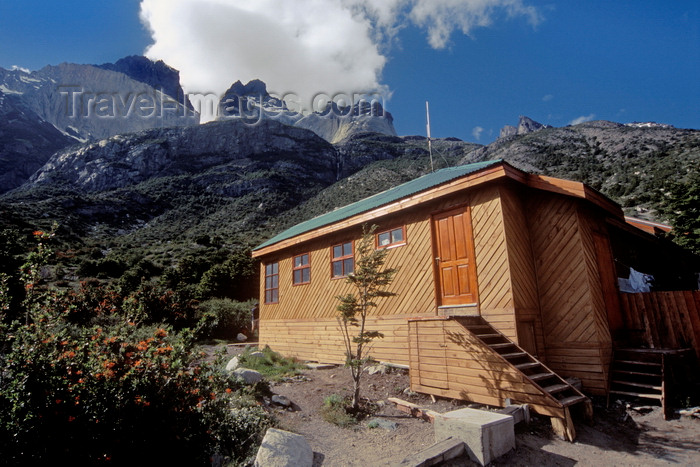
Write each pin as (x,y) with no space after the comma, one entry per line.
(619,435)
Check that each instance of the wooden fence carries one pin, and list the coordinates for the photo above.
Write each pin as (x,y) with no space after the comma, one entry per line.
(664,320)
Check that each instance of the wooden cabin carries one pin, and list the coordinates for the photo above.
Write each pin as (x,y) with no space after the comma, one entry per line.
(506,285)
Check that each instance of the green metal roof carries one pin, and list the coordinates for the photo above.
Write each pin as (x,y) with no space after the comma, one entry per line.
(380,199)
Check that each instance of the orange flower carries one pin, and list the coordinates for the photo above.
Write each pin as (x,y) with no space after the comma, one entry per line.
(38,233)
(228,390)
(162,350)
(161,333)
(139,400)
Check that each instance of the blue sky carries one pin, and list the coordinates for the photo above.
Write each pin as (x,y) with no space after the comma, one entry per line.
(622,61)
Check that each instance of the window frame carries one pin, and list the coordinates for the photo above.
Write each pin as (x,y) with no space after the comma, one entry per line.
(301,268)
(342,259)
(391,244)
(272,293)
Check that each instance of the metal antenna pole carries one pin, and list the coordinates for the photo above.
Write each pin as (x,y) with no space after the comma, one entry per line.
(430,147)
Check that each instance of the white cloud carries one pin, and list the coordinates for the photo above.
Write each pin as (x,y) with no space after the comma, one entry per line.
(442,17)
(547,98)
(476,132)
(582,119)
(304,47)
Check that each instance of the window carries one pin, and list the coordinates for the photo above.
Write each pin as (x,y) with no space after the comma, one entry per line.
(301,270)
(272,283)
(390,238)
(342,262)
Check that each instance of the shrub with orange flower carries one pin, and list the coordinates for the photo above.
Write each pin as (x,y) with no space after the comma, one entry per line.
(111,392)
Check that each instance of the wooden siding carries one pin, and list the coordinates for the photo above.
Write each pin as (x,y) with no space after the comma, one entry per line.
(454,363)
(321,341)
(413,283)
(521,267)
(493,273)
(664,320)
(570,296)
(303,324)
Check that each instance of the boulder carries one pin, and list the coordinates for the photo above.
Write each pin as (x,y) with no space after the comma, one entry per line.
(281,448)
(374,369)
(281,400)
(232,364)
(241,337)
(248,376)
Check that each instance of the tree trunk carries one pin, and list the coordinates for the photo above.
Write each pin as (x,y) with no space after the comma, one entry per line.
(356,393)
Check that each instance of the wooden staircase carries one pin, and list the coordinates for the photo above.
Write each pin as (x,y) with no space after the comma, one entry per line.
(534,370)
(639,373)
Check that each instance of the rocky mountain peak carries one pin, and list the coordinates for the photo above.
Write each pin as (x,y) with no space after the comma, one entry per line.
(525,125)
(252,103)
(156,74)
(252,87)
(91,102)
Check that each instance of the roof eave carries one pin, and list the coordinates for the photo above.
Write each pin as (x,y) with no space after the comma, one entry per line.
(482,176)
(499,171)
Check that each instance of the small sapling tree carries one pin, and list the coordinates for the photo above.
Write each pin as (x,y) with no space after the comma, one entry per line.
(369,280)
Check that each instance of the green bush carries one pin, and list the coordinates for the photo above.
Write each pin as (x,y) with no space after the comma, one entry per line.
(223,318)
(120,393)
(271,364)
(124,393)
(233,278)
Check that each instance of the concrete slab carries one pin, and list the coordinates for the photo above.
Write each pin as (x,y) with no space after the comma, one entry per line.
(487,435)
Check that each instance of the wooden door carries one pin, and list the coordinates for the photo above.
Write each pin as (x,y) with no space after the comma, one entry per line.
(455,265)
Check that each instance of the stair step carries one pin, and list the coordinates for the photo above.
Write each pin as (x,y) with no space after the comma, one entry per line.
(487,336)
(525,366)
(567,401)
(473,327)
(639,385)
(627,372)
(557,388)
(501,345)
(513,355)
(634,362)
(637,394)
(540,376)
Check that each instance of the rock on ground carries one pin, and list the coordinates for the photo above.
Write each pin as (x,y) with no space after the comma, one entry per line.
(281,448)
(248,376)
(232,364)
